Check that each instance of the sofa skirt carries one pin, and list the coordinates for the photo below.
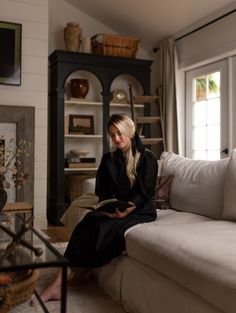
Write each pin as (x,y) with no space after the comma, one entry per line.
(141,289)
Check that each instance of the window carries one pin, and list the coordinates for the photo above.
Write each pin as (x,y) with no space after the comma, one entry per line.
(206,112)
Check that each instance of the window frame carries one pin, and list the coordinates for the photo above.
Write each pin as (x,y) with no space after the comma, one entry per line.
(221,66)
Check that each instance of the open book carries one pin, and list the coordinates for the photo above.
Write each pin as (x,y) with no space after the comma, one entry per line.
(110,205)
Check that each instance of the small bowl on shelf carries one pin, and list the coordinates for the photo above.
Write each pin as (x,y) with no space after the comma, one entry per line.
(80,153)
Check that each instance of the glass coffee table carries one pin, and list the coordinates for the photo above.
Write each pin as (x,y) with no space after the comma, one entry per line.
(32,252)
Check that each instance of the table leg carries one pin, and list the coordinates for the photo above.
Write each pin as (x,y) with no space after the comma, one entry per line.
(40,301)
(64,289)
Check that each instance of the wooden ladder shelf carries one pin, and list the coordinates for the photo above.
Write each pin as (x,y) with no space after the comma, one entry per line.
(148,119)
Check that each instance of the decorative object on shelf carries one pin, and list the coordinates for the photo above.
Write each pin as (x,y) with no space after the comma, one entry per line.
(11,168)
(86,44)
(115,45)
(72,34)
(66,125)
(79,87)
(80,153)
(10,61)
(81,124)
(81,165)
(119,96)
(71,157)
(80,161)
(88,160)
(73,160)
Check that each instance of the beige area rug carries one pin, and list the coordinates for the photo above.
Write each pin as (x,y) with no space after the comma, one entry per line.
(86,298)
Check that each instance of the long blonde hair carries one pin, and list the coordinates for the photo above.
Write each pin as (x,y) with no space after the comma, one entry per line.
(126,127)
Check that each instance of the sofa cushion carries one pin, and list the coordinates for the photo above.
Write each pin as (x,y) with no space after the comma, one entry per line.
(197,186)
(78,208)
(229,211)
(199,255)
(89,185)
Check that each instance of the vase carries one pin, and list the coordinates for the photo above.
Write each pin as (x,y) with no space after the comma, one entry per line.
(3,201)
(86,44)
(3,198)
(72,34)
(79,88)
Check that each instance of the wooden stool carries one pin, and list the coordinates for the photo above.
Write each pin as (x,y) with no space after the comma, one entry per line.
(18,207)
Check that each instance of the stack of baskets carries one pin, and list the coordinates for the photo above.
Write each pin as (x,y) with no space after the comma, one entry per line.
(115,45)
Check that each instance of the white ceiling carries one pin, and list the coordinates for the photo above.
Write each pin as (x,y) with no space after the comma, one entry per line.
(153,20)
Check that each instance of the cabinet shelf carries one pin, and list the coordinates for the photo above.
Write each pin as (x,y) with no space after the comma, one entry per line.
(95,103)
(83,136)
(82,102)
(126,105)
(81,170)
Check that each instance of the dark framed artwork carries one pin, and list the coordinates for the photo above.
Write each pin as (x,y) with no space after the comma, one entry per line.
(10,53)
(81,124)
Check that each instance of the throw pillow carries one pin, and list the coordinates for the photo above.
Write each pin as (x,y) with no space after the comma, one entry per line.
(197,186)
(162,192)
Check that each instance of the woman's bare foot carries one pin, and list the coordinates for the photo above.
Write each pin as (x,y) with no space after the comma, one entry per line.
(52,292)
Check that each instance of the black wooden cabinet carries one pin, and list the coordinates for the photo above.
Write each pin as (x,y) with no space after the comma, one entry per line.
(106,69)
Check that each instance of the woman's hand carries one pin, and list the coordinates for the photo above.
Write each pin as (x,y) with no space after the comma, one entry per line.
(119,214)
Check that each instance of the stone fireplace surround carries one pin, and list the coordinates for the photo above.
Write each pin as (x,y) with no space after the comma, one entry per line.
(24,118)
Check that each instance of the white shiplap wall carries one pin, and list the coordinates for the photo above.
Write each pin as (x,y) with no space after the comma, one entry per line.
(33,15)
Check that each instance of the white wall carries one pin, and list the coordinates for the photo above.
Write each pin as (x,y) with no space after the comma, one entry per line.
(232,102)
(33,15)
(215,42)
(208,44)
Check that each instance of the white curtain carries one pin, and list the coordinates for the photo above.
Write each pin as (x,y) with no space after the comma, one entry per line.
(169,98)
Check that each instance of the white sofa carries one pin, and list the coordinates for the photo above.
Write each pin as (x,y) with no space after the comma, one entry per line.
(185,261)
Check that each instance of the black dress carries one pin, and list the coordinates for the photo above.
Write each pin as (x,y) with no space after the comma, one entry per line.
(97,239)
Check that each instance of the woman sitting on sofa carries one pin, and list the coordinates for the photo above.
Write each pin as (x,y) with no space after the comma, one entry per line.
(127,173)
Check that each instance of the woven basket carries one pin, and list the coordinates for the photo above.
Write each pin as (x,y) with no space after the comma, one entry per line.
(18,292)
(115,45)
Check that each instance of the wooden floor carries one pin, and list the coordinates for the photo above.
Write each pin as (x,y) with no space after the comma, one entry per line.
(57,233)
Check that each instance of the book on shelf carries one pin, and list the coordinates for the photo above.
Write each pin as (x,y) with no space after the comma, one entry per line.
(81,164)
(87,159)
(110,205)
(66,125)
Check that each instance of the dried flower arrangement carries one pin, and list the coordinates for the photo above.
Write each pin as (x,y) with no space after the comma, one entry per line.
(11,163)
